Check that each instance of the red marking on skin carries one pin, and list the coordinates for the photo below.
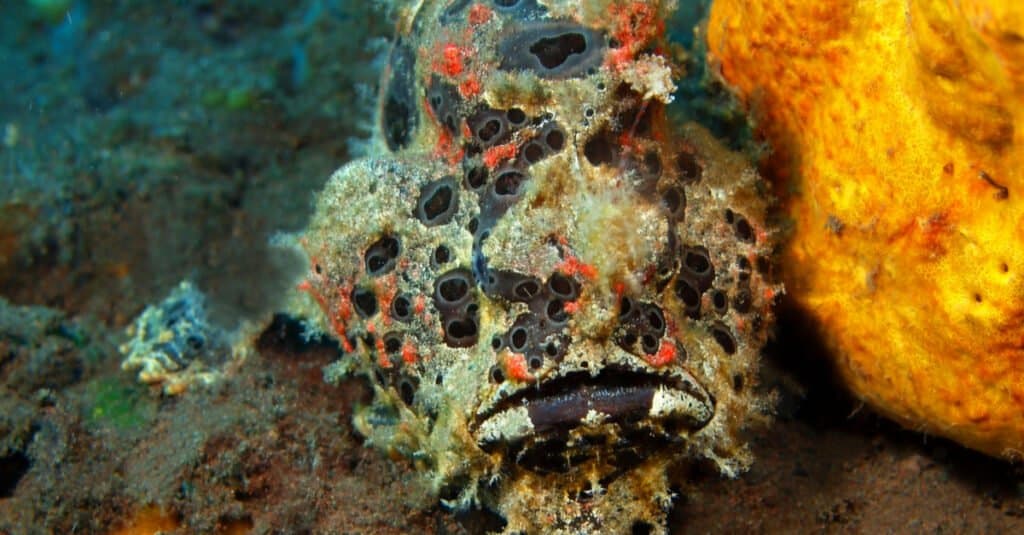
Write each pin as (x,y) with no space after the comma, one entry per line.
(444,143)
(769,294)
(337,312)
(470,87)
(572,266)
(451,61)
(619,288)
(420,305)
(409,353)
(382,359)
(387,289)
(666,354)
(430,111)
(571,307)
(495,155)
(515,367)
(344,306)
(456,156)
(466,132)
(627,141)
(479,14)
(635,24)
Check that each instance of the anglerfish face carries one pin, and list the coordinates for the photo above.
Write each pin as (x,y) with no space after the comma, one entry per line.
(556,293)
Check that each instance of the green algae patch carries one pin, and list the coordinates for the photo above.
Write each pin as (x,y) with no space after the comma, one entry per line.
(112,402)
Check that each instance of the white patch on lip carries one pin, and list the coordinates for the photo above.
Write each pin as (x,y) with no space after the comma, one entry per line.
(671,402)
(506,426)
(594,418)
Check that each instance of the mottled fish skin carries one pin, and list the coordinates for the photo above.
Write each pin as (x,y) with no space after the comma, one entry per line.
(556,293)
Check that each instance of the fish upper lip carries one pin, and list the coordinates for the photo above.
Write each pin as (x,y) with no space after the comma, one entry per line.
(621,394)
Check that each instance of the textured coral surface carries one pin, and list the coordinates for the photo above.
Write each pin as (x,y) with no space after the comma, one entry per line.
(899,148)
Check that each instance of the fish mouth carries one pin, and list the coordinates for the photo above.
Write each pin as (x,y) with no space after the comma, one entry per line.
(620,415)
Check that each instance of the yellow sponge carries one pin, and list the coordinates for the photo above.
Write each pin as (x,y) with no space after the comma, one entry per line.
(898,142)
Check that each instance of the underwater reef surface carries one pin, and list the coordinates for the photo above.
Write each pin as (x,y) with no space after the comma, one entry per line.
(147,144)
(897,130)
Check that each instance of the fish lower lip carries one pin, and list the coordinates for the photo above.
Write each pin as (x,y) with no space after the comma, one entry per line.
(632,400)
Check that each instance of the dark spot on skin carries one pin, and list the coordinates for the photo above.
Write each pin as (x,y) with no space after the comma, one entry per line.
(742,301)
(652,163)
(655,319)
(496,375)
(392,343)
(600,149)
(674,202)
(461,332)
(688,293)
(743,231)
(365,302)
(517,339)
(556,311)
(451,290)
(555,140)
(689,169)
(719,301)
(724,338)
(476,177)
(533,153)
(527,289)
(438,202)
(697,261)
(508,183)
(401,308)
(563,287)
(650,344)
(442,254)
(625,308)
(489,130)
(407,391)
(515,116)
(698,268)
(381,256)
(554,51)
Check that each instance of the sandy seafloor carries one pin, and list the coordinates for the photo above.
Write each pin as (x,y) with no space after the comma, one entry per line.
(149,142)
